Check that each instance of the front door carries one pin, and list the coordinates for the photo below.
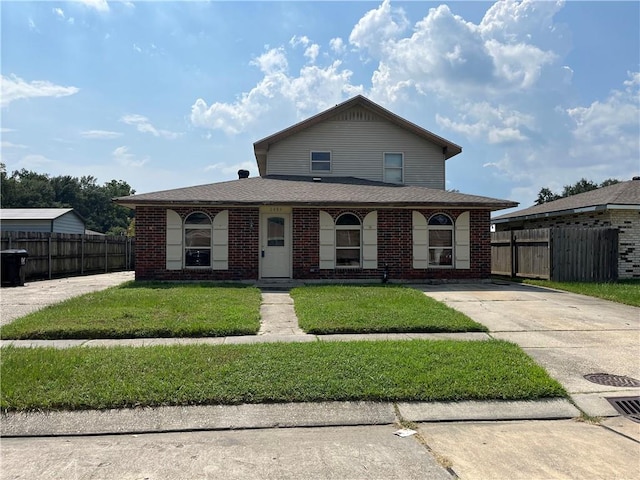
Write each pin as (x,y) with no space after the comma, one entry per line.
(275,249)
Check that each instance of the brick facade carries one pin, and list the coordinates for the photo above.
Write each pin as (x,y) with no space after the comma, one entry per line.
(395,246)
(626,221)
(151,245)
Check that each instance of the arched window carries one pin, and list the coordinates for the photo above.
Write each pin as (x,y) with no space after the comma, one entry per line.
(197,240)
(348,240)
(440,240)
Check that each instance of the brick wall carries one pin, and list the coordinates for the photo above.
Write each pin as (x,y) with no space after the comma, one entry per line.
(395,246)
(151,225)
(627,222)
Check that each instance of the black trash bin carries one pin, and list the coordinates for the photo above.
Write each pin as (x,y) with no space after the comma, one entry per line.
(13,267)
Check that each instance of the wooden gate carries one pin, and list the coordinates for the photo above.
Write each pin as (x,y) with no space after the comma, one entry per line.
(558,254)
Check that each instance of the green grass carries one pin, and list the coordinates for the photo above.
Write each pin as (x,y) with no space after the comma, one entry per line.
(622,291)
(146,309)
(416,370)
(375,309)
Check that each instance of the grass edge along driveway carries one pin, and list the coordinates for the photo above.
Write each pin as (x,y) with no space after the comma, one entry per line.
(417,370)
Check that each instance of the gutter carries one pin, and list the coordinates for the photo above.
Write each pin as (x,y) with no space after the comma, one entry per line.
(559,213)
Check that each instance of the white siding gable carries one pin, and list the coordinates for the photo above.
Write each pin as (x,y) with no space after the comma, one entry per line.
(357,141)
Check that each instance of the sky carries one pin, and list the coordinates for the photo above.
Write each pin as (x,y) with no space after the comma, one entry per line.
(166,94)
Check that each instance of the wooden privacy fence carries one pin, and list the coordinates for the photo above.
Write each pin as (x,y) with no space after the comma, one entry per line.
(558,254)
(54,255)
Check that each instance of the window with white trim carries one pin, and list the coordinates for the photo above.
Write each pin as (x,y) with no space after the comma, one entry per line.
(348,241)
(440,240)
(320,161)
(197,240)
(393,167)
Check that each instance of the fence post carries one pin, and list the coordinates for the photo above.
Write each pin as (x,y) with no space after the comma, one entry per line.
(512,248)
(49,257)
(550,246)
(82,255)
(106,255)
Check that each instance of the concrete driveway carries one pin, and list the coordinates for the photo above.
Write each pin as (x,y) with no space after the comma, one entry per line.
(568,334)
(16,302)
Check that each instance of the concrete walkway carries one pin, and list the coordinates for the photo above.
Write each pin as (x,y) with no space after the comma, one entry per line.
(277,316)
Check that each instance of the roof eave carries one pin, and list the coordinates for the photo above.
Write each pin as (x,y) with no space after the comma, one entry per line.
(302,203)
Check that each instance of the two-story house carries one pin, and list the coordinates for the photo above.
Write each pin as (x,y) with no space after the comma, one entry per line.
(355,192)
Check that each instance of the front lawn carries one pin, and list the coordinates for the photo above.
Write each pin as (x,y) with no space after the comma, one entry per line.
(417,370)
(622,291)
(375,309)
(146,309)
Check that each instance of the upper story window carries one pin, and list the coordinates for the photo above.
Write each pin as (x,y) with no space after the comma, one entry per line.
(320,161)
(440,238)
(348,241)
(197,240)
(393,167)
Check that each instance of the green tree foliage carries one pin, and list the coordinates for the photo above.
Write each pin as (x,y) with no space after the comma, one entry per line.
(581,186)
(26,189)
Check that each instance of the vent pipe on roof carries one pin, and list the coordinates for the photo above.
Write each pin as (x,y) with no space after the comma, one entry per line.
(635,178)
(243,174)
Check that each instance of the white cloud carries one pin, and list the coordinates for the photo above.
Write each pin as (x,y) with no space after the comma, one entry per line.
(609,129)
(488,123)
(337,45)
(34,162)
(295,41)
(59,12)
(226,170)
(272,61)
(4,144)
(452,57)
(123,157)
(15,88)
(378,27)
(312,52)
(100,134)
(32,25)
(143,125)
(7,130)
(100,5)
(312,90)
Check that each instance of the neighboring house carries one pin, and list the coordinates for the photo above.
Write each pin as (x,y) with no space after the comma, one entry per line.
(47,220)
(351,193)
(616,206)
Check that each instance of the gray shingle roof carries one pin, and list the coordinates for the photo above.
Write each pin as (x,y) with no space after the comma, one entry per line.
(623,193)
(297,191)
(33,213)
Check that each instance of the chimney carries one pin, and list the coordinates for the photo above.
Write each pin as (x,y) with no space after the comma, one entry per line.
(243,174)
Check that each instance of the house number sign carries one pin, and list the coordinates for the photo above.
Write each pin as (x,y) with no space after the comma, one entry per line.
(276,210)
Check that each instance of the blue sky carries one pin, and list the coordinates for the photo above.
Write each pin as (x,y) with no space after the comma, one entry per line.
(171,94)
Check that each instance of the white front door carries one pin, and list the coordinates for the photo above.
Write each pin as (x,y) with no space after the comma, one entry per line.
(275,249)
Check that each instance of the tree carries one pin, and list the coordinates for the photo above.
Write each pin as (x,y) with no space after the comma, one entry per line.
(581,186)
(545,195)
(25,189)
